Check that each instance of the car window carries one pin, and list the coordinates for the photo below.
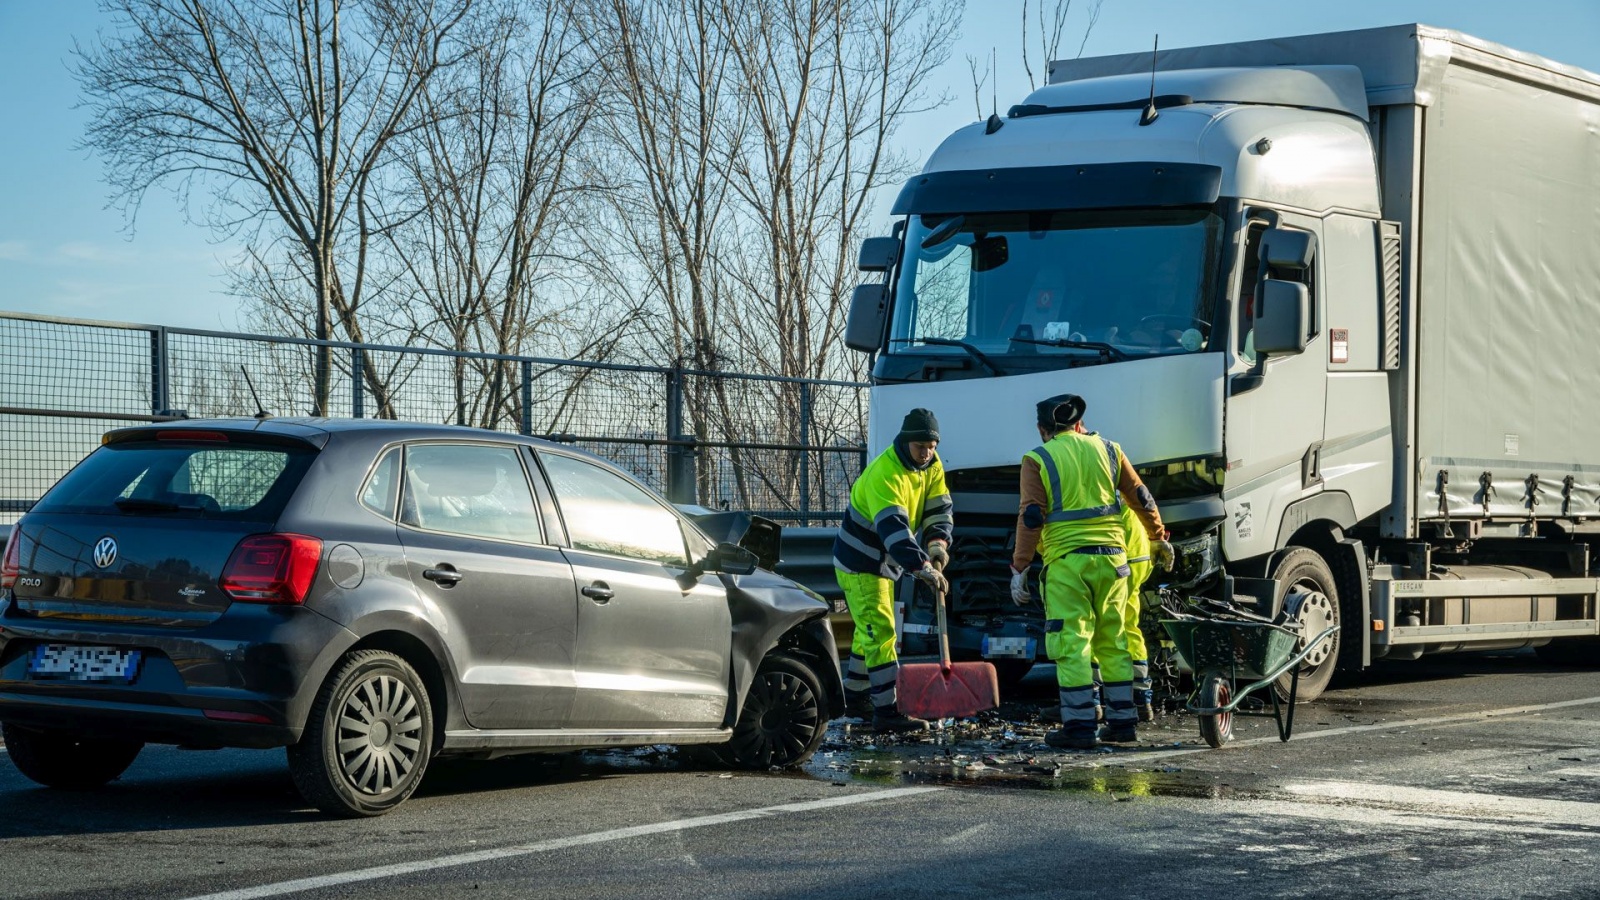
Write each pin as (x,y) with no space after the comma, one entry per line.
(468,489)
(378,495)
(178,479)
(609,514)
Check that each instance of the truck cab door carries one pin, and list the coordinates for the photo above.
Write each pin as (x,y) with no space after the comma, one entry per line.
(1276,404)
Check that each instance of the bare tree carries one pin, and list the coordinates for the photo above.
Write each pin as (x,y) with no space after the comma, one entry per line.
(1051,29)
(281,111)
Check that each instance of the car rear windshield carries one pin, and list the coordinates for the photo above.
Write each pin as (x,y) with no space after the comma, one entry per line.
(227,481)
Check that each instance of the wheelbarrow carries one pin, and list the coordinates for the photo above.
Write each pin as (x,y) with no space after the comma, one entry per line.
(1223,652)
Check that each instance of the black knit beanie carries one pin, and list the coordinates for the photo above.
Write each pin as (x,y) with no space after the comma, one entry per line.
(919,425)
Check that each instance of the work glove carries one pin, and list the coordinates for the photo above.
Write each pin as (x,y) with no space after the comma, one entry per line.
(1019,587)
(1163,554)
(939,555)
(932,577)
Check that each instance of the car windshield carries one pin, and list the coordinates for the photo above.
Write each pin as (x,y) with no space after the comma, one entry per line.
(1106,284)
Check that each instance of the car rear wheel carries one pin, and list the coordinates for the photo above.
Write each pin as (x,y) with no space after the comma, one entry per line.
(782,722)
(68,761)
(368,739)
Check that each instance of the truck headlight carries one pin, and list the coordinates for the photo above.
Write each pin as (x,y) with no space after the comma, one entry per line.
(1198,558)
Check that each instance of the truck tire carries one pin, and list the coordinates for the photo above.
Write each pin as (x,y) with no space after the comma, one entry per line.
(1305,573)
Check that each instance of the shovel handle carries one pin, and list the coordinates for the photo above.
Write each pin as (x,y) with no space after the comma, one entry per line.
(944,631)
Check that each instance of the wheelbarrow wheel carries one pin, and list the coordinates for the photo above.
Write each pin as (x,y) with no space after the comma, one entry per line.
(1216,691)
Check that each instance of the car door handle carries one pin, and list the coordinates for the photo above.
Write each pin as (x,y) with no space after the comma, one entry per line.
(598,592)
(446,575)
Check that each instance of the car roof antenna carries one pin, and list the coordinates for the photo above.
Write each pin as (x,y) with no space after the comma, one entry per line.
(261,411)
(1149,114)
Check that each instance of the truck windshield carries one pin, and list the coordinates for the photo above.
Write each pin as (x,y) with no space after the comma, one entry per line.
(1097,284)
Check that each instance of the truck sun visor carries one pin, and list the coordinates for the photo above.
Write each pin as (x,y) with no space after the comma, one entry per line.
(1089,186)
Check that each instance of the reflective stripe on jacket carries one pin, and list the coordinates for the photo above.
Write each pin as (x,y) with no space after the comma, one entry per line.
(1079,472)
(890,506)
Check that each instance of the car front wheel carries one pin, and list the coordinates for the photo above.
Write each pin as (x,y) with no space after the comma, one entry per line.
(61,760)
(783,720)
(368,738)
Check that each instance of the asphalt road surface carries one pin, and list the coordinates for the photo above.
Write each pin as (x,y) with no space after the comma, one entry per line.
(1462,777)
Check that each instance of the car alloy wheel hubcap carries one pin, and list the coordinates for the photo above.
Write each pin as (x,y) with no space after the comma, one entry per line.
(379,735)
(784,712)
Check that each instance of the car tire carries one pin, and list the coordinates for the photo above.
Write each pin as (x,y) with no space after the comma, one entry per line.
(68,761)
(372,695)
(783,719)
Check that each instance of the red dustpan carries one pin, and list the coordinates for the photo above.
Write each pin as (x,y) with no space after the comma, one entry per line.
(947,690)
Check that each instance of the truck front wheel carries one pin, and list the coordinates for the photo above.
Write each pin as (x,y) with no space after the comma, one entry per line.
(1312,597)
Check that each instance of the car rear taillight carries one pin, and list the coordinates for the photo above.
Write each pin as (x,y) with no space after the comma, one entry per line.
(12,567)
(272,568)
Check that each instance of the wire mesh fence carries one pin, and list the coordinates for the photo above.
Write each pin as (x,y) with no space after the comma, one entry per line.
(786,448)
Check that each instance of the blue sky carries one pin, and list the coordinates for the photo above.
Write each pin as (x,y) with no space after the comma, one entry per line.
(63,252)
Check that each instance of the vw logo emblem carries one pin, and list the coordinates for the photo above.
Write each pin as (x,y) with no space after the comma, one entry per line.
(105,552)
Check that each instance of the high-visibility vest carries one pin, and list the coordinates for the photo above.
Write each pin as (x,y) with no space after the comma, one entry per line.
(1079,472)
(893,512)
(1138,541)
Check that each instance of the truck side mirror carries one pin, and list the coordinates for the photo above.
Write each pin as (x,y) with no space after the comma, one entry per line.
(863,328)
(1288,248)
(878,254)
(1282,312)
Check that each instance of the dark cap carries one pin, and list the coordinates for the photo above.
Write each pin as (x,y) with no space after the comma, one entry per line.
(920,425)
(1060,411)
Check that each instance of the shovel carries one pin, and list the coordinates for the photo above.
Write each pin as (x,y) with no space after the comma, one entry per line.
(947,690)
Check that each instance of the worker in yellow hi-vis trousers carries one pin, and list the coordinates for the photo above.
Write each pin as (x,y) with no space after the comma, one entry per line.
(899,521)
(1072,490)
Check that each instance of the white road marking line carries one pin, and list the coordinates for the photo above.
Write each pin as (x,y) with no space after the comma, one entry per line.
(1431,722)
(1370,818)
(599,837)
(1456,804)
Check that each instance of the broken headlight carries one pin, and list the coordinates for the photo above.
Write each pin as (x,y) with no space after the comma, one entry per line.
(1198,558)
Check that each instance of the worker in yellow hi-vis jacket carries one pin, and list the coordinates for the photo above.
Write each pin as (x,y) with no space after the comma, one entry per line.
(899,522)
(1072,490)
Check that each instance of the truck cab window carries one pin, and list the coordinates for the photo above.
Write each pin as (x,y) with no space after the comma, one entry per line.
(1249,282)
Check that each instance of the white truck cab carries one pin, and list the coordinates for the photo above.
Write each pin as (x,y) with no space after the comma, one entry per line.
(1228,260)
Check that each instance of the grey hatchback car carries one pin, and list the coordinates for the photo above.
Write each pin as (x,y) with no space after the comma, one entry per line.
(372,594)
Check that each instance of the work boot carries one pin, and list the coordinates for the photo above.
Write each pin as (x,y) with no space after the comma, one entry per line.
(1071,739)
(893,721)
(1120,734)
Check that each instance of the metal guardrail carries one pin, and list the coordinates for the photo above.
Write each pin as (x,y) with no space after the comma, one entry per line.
(786,448)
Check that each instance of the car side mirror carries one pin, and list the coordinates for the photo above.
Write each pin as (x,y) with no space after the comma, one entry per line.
(878,254)
(1282,313)
(730,559)
(869,307)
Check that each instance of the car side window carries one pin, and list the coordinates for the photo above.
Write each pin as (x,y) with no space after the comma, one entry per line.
(476,490)
(378,495)
(605,513)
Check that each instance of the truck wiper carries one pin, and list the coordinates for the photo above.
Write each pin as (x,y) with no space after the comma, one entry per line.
(972,351)
(1104,348)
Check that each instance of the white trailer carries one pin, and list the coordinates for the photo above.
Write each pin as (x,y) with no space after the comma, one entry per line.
(1337,296)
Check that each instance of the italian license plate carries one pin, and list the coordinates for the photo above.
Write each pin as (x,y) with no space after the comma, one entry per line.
(72,662)
(1008,648)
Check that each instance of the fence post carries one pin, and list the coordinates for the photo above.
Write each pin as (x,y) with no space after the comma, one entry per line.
(355,383)
(527,398)
(160,402)
(681,474)
(805,453)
